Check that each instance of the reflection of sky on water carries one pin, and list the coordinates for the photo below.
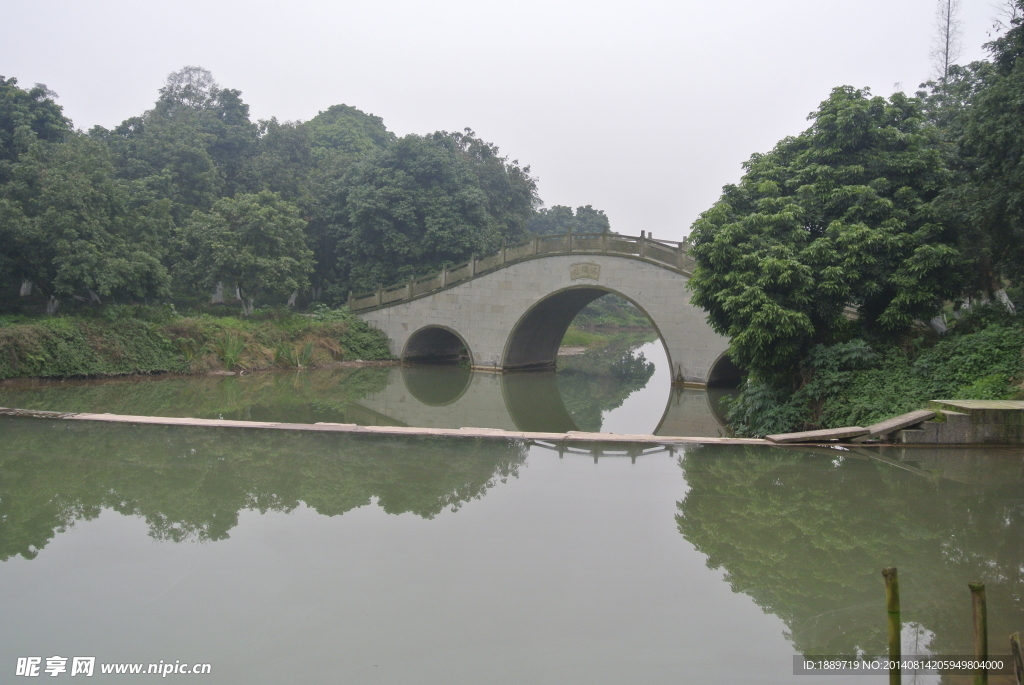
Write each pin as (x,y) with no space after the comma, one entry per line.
(642,410)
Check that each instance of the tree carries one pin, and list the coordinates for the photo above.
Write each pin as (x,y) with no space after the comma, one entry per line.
(253,243)
(193,147)
(947,46)
(560,219)
(27,116)
(422,202)
(992,150)
(838,216)
(70,226)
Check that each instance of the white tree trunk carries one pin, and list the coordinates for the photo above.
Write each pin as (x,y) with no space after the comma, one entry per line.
(247,306)
(26,288)
(218,295)
(1004,299)
(51,305)
(294,296)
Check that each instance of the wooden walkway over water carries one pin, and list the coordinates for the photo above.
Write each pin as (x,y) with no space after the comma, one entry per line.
(351,428)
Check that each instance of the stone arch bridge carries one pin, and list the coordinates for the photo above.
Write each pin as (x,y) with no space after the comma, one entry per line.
(510,310)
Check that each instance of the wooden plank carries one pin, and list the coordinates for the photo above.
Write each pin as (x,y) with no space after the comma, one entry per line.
(467,432)
(1005,405)
(823,435)
(899,422)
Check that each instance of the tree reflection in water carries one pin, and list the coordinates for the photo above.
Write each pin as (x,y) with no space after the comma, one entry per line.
(191,483)
(601,380)
(806,536)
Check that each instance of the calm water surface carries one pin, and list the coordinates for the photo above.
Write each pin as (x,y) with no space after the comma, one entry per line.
(624,387)
(315,558)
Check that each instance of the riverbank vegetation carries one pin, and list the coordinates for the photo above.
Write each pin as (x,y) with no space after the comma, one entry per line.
(192,205)
(125,340)
(872,262)
(604,318)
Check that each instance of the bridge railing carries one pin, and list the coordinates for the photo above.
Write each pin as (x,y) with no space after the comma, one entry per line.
(668,253)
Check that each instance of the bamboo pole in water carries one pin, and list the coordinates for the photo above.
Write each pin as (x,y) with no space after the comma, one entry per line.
(980,612)
(1018,660)
(892,608)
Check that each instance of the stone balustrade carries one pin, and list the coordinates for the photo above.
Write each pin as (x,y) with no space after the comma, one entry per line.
(669,254)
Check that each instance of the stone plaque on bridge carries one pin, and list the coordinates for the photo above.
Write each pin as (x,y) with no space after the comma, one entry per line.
(585,270)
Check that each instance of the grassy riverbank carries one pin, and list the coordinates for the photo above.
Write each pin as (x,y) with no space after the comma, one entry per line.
(858,383)
(130,340)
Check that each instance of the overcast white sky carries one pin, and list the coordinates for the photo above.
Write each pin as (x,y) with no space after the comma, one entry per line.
(642,109)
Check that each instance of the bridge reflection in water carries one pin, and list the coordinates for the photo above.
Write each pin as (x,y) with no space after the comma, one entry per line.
(623,387)
(445,396)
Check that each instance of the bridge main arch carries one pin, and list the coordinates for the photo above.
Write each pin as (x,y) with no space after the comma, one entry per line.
(536,337)
(513,317)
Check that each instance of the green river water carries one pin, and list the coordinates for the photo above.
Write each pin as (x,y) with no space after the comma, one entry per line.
(314,558)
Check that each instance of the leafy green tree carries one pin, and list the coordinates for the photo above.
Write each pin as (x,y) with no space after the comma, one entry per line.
(307,163)
(71,227)
(992,150)
(590,220)
(424,201)
(253,243)
(345,130)
(27,116)
(192,148)
(560,219)
(839,216)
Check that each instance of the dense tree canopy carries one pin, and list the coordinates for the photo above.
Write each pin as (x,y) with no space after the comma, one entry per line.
(839,216)
(27,116)
(98,216)
(992,146)
(560,219)
(70,226)
(425,201)
(252,244)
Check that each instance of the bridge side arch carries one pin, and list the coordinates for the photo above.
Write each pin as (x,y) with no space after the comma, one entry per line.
(436,343)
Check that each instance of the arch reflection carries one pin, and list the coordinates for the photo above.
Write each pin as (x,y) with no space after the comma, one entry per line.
(436,385)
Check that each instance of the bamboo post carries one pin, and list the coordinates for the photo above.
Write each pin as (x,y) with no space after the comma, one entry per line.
(409,289)
(980,612)
(604,241)
(536,243)
(380,294)
(472,265)
(642,245)
(569,241)
(503,252)
(349,303)
(444,276)
(892,608)
(1018,660)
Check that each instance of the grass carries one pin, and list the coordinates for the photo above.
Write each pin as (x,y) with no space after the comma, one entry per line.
(131,340)
(577,337)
